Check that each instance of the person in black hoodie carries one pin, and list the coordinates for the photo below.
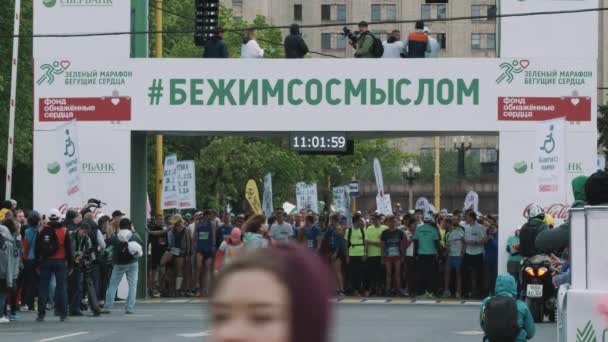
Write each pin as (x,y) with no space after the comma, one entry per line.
(215,47)
(295,46)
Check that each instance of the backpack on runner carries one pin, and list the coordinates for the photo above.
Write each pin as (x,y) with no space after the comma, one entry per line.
(377,47)
(49,243)
(123,255)
(350,234)
(500,319)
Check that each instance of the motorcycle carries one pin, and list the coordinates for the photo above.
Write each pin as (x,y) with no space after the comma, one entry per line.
(537,284)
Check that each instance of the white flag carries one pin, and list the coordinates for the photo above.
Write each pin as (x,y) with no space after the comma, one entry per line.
(379,180)
(70,151)
(267,195)
(550,161)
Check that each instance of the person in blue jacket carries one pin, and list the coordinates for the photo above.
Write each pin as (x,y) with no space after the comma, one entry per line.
(505,286)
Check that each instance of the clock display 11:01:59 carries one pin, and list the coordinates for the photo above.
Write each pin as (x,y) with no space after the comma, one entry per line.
(322,142)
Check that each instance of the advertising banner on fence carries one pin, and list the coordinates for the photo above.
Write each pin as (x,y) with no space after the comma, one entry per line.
(186,184)
(455,92)
(550,165)
(70,154)
(306,196)
(170,195)
(253,197)
(267,195)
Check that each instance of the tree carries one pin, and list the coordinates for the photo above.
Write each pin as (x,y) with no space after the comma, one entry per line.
(602,126)
(449,167)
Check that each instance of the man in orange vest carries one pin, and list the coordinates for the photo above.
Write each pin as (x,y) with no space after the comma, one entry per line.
(416,44)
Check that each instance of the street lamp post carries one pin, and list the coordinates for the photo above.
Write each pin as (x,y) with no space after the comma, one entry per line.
(462,148)
(409,172)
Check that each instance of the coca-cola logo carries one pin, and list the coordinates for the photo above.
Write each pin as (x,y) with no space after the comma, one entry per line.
(558,211)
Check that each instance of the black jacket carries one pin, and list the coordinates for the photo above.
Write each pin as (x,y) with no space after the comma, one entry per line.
(215,48)
(295,46)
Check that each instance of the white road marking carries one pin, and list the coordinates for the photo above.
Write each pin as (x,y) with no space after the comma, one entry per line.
(197,316)
(200,334)
(374,301)
(469,333)
(472,303)
(425,302)
(63,336)
(177,301)
(136,315)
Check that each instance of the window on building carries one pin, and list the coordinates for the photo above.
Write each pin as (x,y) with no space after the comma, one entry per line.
(476,41)
(491,41)
(476,12)
(436,1)
(391,12)
(441,11)
(325,12)
(341,12)
(441,40)
(326,41)
(492,12)
(340,42)
(426,12)
(237,2)
(297,12)
(376,12)
(491,155)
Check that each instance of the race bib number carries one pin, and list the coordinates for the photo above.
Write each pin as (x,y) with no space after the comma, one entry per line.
(311,244)
(203,235)
(176,251)
(393,252)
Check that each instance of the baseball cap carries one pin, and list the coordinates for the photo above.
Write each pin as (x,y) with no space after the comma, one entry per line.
(235,233)
(54,215)
(117,213)
(125,223)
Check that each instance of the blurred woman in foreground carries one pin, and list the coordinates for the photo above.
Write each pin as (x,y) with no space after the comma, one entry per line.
(279,294)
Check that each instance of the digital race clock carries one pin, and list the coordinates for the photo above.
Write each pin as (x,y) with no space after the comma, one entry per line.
(319,142)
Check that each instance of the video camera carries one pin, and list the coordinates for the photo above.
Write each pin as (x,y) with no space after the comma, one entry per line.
(353,37)
(84,261)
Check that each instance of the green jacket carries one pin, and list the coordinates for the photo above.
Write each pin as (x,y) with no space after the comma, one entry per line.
(113,242)
(513,253)
(505,286)
(364,46)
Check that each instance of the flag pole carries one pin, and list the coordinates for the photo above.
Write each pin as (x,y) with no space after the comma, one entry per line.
(13,101)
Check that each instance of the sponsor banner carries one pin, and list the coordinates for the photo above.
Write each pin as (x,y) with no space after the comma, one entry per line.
(544,108)
(455,92)
(85,109)
(306,197)
(253,197)
(170,194)
(584,320)
(267,195)
(82,16)
(550,162)
(70,154)
(471,202)
(384,205)
(186,184)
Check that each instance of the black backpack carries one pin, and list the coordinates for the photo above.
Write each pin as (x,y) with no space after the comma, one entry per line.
(350,234)
(123,256)
(377,47)
(527,239)
(48,242)
(500,319)
(596,188)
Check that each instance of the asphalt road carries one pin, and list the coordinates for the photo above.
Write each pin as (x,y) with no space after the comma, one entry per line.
(163,322)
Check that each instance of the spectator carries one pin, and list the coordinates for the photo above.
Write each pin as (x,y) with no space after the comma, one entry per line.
(491,257)
(392,49)
(9,266)
(215,47)
(20,217)
(416,45)
(30,276)
(281,231)
(474,239)
(455,246)
(365,43)
(419,214)
(434,45)
(295,46)
(54,250)
(254,237)
(410,259)
(514,263)
(426,249)
(229,248)
(6,210)
(250,47)
(125,263)
(81,244)
(72,220)
(356,256)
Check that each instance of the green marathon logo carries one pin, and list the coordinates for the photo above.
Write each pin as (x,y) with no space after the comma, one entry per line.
(49,3)
(49,71)
(521,167)
(587,334)
(53,168)
(510,69)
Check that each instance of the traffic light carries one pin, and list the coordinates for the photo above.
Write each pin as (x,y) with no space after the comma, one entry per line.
(207,20)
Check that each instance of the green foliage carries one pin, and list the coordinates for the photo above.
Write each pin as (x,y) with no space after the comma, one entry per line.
(602,126)
(449,167)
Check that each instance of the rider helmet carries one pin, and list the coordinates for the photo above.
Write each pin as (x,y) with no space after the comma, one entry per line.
(536,211)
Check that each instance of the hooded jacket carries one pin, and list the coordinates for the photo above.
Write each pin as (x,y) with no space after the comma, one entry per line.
(553,240)
(215,48)
(392,48)
(255,241)
(295,46)
(9,257)
(505,286)
(251,49)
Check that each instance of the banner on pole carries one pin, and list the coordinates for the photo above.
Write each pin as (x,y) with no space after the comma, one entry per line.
(340,194)
(423,204)
(306,196)
(70,150)
(384,205)
(471,202)
(267,195)
(550,160)
(379,180)
(186,184)
(170,195)
(253,197)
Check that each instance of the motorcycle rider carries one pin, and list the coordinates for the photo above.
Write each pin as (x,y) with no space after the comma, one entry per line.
(531,229)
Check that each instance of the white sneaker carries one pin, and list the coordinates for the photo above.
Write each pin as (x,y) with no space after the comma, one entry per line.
(4,320)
